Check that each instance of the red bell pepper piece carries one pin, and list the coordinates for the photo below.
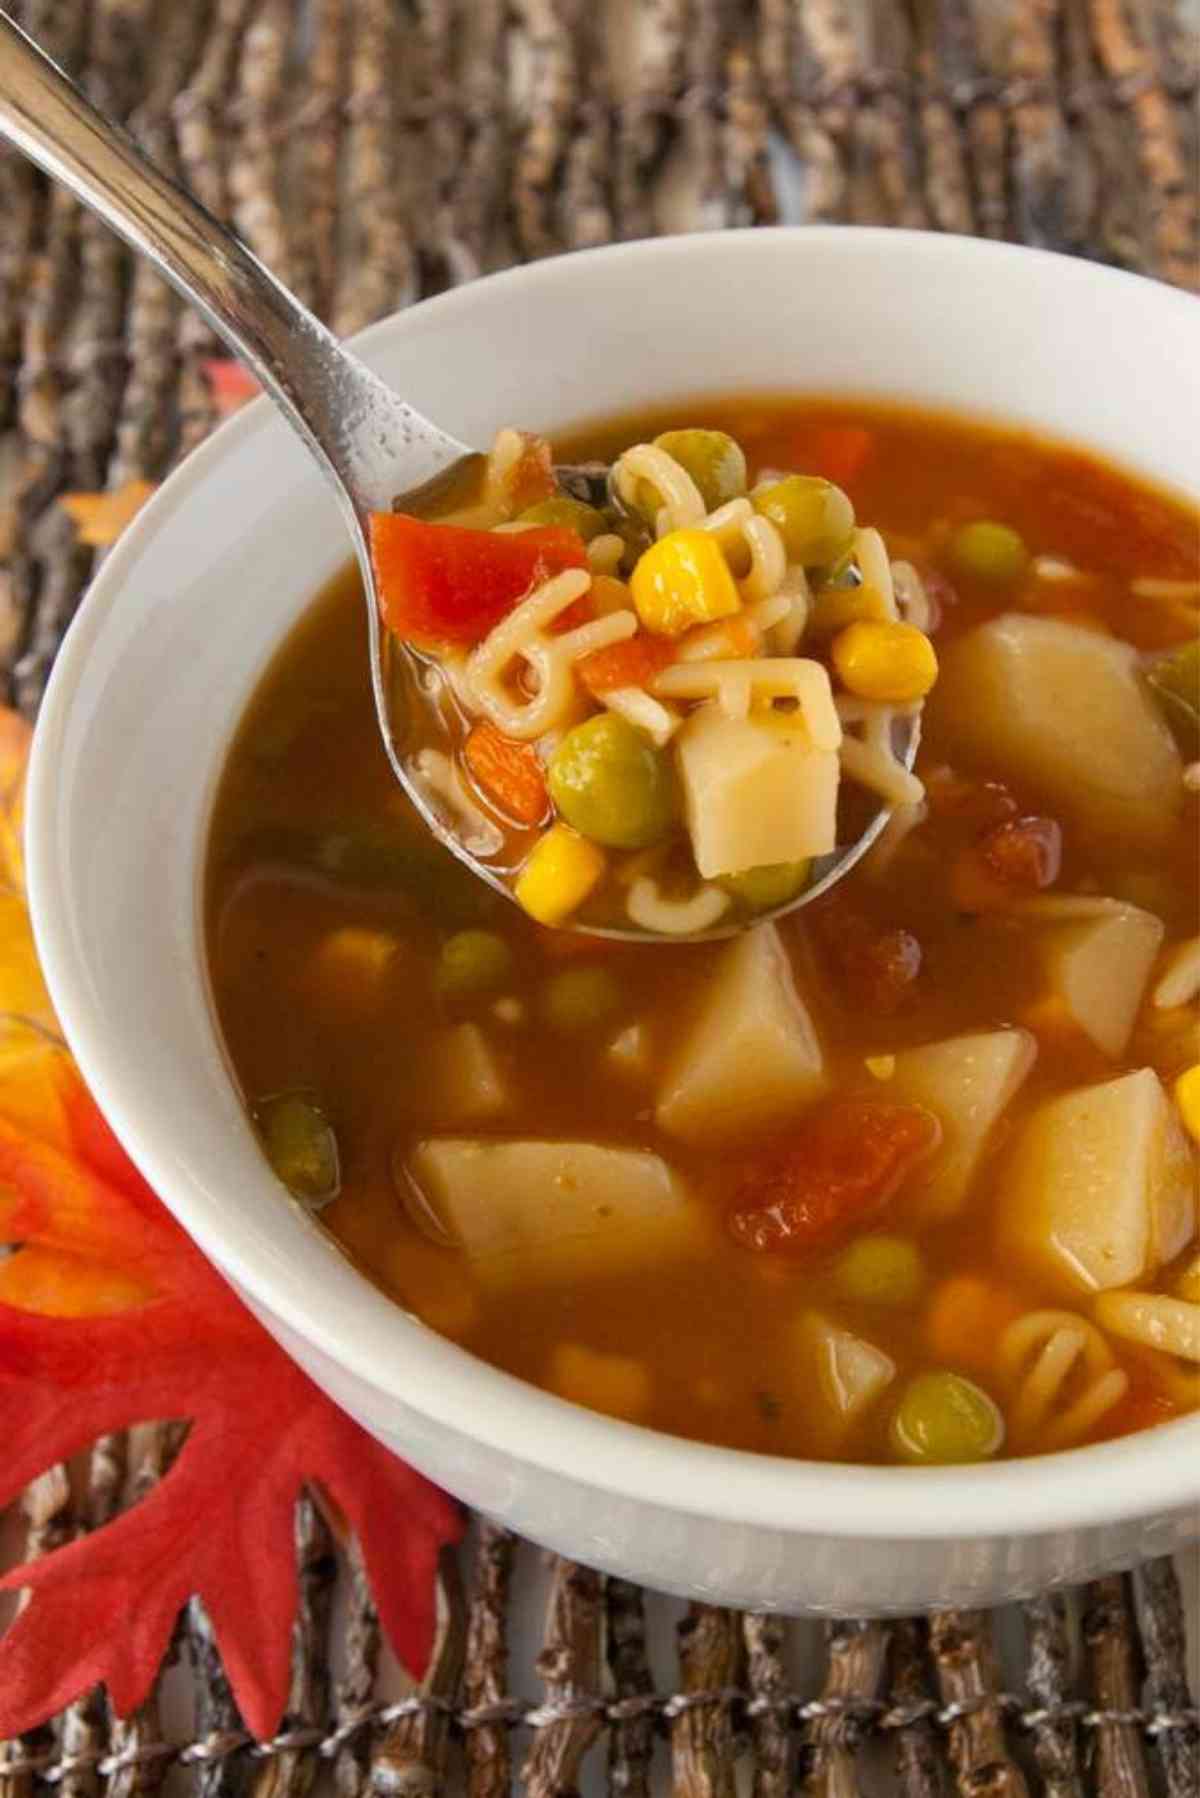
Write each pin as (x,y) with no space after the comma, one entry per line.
(442,583)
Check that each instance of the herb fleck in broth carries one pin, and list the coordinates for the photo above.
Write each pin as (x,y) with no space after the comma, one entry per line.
(330,908)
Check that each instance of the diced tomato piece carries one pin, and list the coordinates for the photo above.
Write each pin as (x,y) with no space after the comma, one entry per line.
(843,1165)
(839,452)
(442,583)
(977,802)
(508,772)
(633,663)
(879,967)
(1024,852)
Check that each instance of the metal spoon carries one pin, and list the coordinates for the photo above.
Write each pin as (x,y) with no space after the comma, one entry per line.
(377,451)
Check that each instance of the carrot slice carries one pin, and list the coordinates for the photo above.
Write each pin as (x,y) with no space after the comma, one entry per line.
(842,1165)
(965,1319)
(508,772)
(633,663)
(443,583)
(839,452)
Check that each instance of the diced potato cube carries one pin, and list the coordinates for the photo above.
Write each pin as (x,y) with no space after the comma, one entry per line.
(1098,966)
(1063,710)
(755,790)
(751,1058)
(468,1081)
(966,1081)
(849,1373)
(527,1211)
(616,1384)
(1101,1187)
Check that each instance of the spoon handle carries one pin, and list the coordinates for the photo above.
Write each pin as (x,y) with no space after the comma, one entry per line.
(370,442)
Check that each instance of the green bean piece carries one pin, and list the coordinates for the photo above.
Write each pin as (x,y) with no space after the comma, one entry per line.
(945,1420)
(762,889)
(990,552)
(562,509)
(613,786)
(712,458)
(1175,682)
(814,518)
(301,1147)
(473,963)
(880,1270)
(580,999)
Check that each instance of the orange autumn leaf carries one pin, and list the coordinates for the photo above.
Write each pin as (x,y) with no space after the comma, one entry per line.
(58,1285)
(101,517)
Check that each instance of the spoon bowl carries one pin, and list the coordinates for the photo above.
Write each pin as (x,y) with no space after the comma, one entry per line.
(377,452)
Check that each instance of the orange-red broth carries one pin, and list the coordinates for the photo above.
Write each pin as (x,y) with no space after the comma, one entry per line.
(311,837)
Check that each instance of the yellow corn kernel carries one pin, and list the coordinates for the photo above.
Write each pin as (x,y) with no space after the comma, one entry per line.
(880,1067)
(893,663)
(561,871)
(353,962)
(1187,1097)
(614,1383)
(1186,1284)
(683,580)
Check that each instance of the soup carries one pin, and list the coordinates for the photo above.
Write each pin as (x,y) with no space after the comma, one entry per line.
(908,1176)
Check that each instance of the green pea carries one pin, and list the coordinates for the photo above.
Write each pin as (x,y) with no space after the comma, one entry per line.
(989,552)
(579,999)
(814,518)
(1175,681)
(473,962)
(611,785)
(943,1420)
(566,511)
(762,889)
(712,458)
(301,1146)
(880,1270)
(833,608)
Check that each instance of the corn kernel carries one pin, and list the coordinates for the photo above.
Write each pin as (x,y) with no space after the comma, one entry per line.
(561,871)
(353,963)
(1186,1284)
(683,580)
(880,1067)
(893,663)
(1187,1097)
(614,1383)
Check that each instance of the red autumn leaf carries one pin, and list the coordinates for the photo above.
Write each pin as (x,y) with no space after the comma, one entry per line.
(146,1330)
(231,384)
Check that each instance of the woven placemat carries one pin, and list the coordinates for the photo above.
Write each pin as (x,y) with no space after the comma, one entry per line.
(374,151)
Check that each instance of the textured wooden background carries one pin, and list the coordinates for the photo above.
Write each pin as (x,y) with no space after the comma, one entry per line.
(374,151)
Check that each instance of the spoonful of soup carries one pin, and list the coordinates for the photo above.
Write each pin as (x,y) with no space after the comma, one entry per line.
(656,699)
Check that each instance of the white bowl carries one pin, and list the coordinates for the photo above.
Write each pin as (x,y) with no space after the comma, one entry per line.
(152,680)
